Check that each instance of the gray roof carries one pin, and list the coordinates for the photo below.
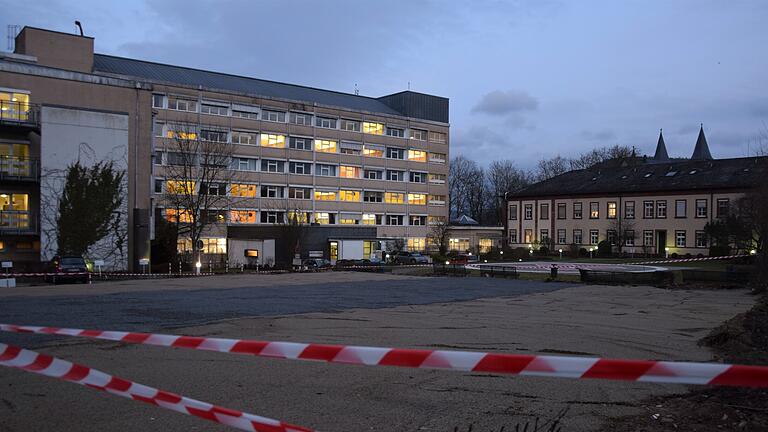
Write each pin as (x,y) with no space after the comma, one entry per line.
(464,220)
(257,87)
(638,175)
(701,151)
(661,154)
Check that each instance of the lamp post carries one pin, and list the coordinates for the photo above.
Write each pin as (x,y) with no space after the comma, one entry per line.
(753,252)
(197,267)
(590,252)
(666,252)
(561,253)
(502,255)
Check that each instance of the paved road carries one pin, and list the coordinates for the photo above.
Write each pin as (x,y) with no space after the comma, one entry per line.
(570,267)
(158,309)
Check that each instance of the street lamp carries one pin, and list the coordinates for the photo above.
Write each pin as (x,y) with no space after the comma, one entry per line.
(753,252)
(590,252)
(197,267)
(447,262)
(561,253)
(666,252)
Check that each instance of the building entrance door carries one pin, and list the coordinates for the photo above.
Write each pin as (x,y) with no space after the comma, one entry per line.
(661,242)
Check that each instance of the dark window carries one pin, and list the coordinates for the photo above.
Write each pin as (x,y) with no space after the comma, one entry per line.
(544,211)
(661,209)
(577,210)
(513,212)
(723,205)
(528,212)
(629,210)
(561,210)
(681,208)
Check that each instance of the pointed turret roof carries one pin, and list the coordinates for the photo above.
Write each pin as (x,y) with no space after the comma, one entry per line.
(661,154)
(701,152)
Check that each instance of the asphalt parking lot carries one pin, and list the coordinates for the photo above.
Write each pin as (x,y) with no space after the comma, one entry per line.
(361,309)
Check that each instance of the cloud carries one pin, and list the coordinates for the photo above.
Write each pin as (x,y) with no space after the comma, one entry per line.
(598,135)
(500,102)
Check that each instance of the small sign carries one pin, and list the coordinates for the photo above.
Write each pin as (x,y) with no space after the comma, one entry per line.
(144,261)
(98,263)
(251,253)
(7,264)
(315,254)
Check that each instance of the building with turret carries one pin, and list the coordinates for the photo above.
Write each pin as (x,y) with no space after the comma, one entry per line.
(651,205)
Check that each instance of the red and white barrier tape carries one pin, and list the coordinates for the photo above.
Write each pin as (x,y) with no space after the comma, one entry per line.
(466,361)
(42,274)
(31,361)
(689,260)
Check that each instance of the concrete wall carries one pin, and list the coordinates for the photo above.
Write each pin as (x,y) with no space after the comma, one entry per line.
(70,135)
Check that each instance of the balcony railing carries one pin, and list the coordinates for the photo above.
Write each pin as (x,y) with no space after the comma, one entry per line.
(17,222)
(19,112)
(20,169)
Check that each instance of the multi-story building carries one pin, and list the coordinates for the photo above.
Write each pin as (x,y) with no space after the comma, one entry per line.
(361,170)
(646,205)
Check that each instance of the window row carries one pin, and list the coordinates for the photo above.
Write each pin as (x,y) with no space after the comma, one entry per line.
(652,209)
(254,216)
(628,238)
(248,190)
(181,103)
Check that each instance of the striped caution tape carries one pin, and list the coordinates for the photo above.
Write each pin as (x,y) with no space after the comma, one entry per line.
(43,274)
(31,361)
(669,261)
(534,365)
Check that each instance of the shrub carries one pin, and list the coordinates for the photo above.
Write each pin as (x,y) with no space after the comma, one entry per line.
(520,253)
(604,249)
(573,251)
(719,250)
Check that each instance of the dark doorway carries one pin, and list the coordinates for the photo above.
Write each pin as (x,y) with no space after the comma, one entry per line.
(661,242)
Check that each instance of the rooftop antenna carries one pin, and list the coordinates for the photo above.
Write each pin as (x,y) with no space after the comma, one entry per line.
(79,26)
(357,91)
(13,30)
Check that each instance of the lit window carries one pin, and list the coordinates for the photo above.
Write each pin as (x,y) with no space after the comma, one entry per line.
(242,216)
(458,244)
(243,190)
(434,220)
(189,134)
(417,199)
(14,106)
(181,215)
(348,195)
(349,219)
(371,150)
(373,128)
(417,244)
(394,198)
(594,210)
(325,146)
(349,171)
(417,155)
(485,245)
(371,219)
(612,206)
(214,245)
(178,187)
(273,140)
(325,195)
(298,217)
(323,218)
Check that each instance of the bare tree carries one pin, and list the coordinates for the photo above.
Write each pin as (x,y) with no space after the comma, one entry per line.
(477,194)
(596,156)
(438,236)
(548,168)
(458,175)
(624,229)
(502,177)
(197,180)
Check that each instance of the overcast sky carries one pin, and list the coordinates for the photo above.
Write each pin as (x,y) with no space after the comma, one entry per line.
(526,79)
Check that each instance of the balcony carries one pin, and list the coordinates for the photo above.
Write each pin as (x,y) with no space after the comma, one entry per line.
(19,114)
(14,168)
(17,222)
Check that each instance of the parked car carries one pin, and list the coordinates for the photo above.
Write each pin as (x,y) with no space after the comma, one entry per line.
(316,263)
(69,268)
(410,258)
